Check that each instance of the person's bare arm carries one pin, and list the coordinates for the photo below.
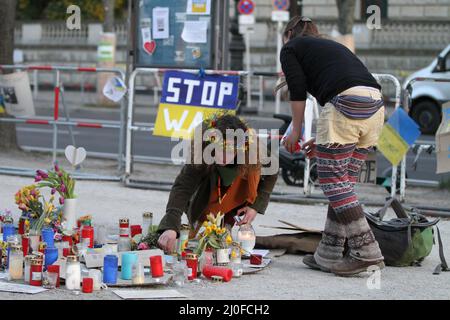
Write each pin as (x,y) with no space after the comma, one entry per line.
(298,115)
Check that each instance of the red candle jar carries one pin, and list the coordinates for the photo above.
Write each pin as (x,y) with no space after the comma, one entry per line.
(54,269)
(156,266)
(25,244)
(135,230)
(192,264)
(36,272)
(66,252)
(256,259)
(88,285)
(22,225)
(67,238)
(88,233)
(210,271)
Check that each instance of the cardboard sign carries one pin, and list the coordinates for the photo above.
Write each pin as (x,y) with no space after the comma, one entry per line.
(16,92)
(188,98)
(20,288)
(443,141)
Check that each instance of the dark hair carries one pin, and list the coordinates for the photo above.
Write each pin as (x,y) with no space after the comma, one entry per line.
(299,27)
(222,123)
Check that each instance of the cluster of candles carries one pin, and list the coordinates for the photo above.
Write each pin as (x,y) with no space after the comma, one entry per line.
(31,257)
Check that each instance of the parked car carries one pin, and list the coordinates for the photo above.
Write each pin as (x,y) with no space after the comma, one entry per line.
(428,96)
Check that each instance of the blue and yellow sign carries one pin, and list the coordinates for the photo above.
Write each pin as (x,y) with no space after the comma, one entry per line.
(187,99)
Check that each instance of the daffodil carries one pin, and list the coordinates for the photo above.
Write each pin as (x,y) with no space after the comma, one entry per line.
(229,240)
(205,224)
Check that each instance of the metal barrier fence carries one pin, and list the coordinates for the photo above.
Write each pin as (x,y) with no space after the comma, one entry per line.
(55,121)
(131,127)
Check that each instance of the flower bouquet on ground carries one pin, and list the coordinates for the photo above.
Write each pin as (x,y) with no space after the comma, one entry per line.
(36,211)
(150,241)
(214,236)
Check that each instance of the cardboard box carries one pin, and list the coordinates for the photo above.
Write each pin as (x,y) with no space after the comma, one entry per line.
(443,141)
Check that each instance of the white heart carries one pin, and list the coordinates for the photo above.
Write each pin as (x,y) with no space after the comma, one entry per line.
(75,156)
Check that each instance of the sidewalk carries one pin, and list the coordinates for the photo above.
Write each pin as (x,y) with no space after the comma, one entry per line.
(286,278)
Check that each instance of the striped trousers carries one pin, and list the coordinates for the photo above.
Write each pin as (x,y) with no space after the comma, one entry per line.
(338,168)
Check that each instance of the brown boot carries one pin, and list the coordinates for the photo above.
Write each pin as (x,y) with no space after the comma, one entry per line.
(364,249)
(350,266)
(331,247)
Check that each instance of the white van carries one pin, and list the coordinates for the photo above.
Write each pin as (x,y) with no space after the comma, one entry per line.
(428,96)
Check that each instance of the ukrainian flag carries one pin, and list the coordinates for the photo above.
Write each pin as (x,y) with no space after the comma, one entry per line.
(397,136)
(2,105)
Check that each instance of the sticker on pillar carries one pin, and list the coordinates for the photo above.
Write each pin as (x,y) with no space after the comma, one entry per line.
(187,99)
(199,7)
(196,53)
(148,43)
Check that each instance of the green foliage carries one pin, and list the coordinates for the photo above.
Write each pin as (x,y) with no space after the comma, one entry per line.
(57,9)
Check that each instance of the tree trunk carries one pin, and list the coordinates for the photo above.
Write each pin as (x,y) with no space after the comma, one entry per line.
(346,9)
(8,139)
(108,23)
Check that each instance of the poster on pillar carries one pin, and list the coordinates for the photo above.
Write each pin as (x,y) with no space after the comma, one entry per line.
(188,98)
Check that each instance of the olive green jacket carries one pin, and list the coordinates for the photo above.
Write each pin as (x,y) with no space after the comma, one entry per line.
(191,192)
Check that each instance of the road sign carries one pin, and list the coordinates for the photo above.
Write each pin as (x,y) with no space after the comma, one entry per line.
(246,19)
(281,4)
(246,7)
(280,16)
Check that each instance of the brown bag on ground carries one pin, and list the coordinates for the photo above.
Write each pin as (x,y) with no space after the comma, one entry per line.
(294,243)
(306,241)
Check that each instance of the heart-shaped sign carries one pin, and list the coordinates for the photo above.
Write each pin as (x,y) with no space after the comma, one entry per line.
(75,156)
(150,47)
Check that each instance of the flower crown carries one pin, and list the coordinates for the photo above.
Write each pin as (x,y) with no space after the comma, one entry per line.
(211,124)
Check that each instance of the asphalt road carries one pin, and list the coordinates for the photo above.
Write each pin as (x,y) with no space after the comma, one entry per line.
(145,144)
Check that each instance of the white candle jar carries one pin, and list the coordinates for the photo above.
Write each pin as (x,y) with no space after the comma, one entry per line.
(73,273)
(15,265)
(247,239)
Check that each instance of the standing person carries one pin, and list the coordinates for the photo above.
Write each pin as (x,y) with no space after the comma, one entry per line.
(348,127)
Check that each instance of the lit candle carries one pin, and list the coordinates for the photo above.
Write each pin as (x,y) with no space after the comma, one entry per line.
(247,239)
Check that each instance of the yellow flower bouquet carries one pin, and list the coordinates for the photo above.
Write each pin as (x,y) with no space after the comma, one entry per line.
(214,234)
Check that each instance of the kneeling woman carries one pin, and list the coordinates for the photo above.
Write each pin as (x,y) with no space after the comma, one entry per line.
(224,186)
